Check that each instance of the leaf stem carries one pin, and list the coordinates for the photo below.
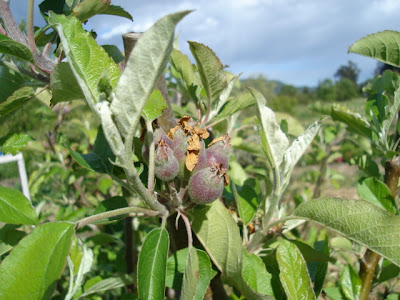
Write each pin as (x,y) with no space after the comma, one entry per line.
(115,213)
(188,229)
(261,236)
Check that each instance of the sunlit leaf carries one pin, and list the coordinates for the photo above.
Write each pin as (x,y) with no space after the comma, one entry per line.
(354,121)
(155,106)
(273,140)
(152,265)
(383,46)
(89,62)
(359,221)
(32,268)
(14,143)
(211,70)
(15,208)
(293,272)
(350,283)
(63,84)
(147,61)
(376,192)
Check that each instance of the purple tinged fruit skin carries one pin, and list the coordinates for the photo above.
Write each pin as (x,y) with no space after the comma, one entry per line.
(206,185)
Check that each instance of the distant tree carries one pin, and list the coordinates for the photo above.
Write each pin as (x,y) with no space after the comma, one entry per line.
(289,90)
(349,71)
(261,84)
(346,89)
(326,90)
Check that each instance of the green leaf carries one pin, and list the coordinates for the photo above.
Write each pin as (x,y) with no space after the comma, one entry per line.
(100,159)
(273,140)
(88,61)
(350,283)
(357,220)
(108,284)
(354,121)
(223,97)
(152,265)
(256,275)
(9,237)
(116,10)
(318,270)
(32,268)
(85,264)
(14,143)
(108,205)
(383,46)
(376,192)
(388,271)
(310,254)
(184,67)
(211,70)
(219,234)
(146,63)
(114,52)
(11,47)
(191,276)
(15,208)
(89,8)
(155,106)
(63,84)
(247,199)
(334,293)
(235,105)
(293,271)
(176,266)
(296,150)
(11,81)
(16,100)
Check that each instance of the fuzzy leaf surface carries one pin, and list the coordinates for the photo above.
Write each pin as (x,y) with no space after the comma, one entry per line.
(211,70)
(293,271)
(235,105)
(295,151)
(152,265)
(15,208)
(354,121)
(32,268)
(89,62)
(358,220)
(147,61)
(383,46)
(191,276)
(273,140)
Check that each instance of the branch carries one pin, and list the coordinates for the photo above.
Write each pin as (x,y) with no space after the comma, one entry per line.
(11,25)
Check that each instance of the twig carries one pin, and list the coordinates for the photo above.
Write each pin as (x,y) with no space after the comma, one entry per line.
(150,141)
(116,213)
(31,34)
(11,25)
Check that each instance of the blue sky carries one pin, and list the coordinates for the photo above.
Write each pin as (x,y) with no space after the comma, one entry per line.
(300,42)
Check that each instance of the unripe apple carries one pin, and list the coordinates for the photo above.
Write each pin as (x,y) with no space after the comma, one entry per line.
(166,166)
(202,158)
(206,185)
(218,152)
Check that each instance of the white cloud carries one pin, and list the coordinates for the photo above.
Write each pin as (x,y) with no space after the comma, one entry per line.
(298,41)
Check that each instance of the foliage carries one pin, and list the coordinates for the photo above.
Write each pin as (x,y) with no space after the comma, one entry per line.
(129,199)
